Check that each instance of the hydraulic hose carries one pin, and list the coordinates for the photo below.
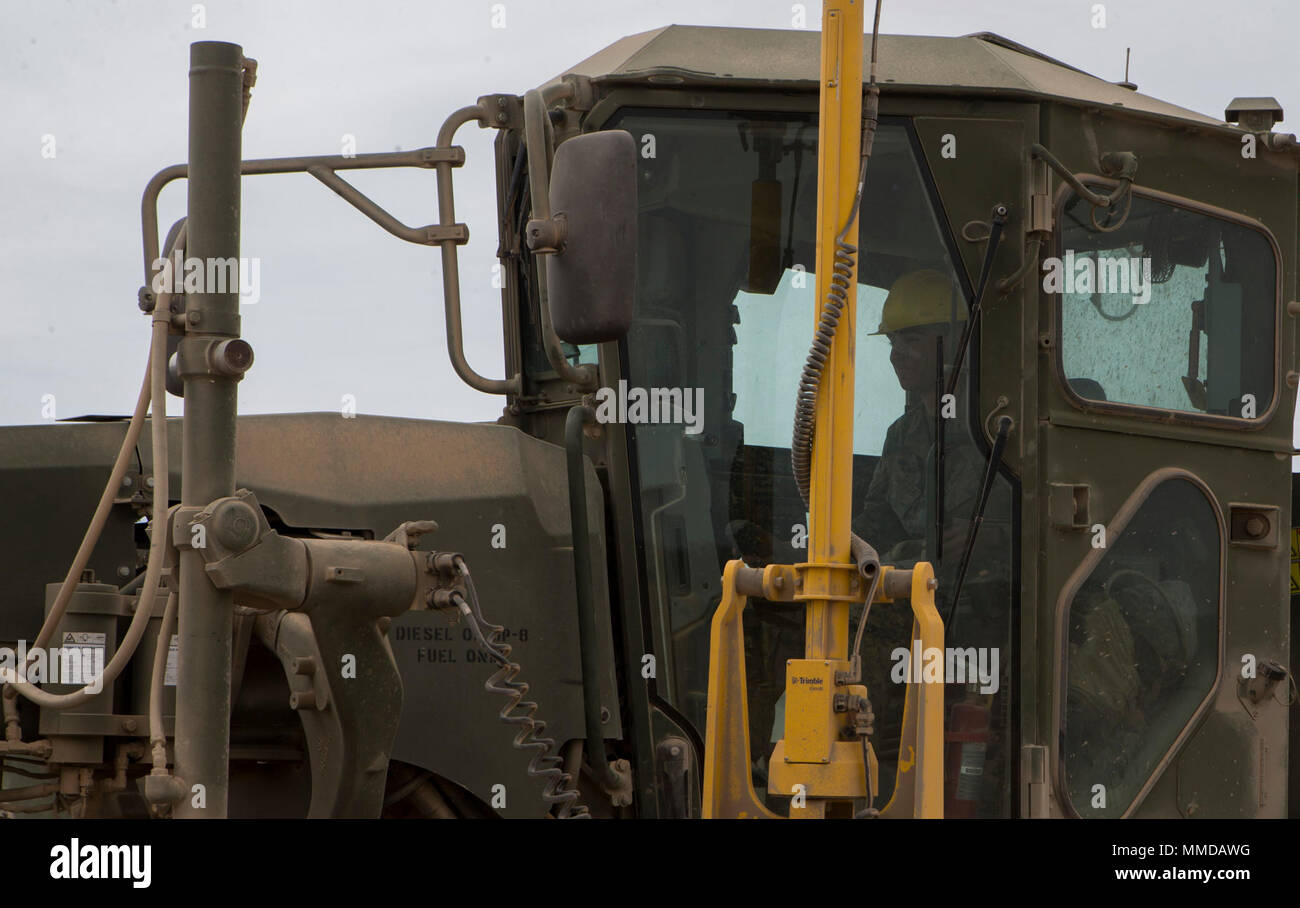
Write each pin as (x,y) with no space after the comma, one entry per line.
(157,681)
(157,545)
(152,391)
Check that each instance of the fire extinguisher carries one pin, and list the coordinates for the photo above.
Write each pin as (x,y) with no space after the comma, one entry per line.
(967,741)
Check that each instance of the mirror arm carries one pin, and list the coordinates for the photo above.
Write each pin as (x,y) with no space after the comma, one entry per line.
(584,376)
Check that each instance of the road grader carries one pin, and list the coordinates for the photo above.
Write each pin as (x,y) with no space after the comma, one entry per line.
(1026,551)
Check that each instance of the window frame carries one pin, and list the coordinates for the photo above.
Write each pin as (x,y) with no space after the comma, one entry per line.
(1114,531)
(1142,411)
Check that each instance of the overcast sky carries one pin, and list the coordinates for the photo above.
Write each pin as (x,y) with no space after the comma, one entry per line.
(345,308)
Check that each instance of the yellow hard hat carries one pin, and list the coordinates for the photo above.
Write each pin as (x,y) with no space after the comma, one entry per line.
(920,298)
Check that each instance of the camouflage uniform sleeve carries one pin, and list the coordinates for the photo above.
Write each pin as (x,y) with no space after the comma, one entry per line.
(875,520)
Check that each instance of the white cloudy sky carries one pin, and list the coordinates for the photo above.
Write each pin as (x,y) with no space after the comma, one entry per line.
(345,308)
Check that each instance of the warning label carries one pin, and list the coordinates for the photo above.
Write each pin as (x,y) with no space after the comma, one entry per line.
(81,657)
(173,659)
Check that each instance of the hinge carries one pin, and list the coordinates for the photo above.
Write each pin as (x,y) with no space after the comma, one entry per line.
(1033,773)
(1040,213)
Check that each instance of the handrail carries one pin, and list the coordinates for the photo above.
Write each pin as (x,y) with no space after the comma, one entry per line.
(446,234)
(538,141)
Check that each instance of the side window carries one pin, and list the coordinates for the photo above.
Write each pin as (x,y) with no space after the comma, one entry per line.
(1170,309)
(1141,648)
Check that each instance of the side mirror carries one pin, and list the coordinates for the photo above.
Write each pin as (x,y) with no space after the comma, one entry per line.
(591,273)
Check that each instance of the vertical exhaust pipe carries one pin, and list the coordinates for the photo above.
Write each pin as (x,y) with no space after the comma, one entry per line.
(208,448)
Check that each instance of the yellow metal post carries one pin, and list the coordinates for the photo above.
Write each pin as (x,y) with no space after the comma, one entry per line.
(831,482)
(821,761)
(838,162)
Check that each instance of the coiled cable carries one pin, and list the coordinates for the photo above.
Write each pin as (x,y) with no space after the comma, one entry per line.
(837,296)
(810,381)
(544,764)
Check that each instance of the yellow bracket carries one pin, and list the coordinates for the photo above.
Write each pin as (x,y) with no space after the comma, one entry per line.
(728,785)
(918,787)
(837,771)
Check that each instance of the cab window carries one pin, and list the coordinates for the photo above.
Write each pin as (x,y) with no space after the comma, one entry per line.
(1170,309)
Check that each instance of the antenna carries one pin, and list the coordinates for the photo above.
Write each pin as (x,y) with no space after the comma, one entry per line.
(1131,86)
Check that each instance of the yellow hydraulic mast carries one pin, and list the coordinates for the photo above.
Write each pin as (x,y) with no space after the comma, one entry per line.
(821,761)
(802,756)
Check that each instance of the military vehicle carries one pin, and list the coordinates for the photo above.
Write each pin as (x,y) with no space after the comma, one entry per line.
(1074,357)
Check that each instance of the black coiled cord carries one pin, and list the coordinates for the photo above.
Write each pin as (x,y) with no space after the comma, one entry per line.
(805,423)
(810,381)
(837,296)
(543,764)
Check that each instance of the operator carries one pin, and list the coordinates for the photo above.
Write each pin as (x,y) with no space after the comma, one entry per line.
(896,513)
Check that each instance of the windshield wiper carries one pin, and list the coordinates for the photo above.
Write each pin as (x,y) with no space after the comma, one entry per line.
(990,473)
(999,221)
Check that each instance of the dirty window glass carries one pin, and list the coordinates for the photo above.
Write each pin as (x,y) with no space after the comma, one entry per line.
(726,307)
(1174,309)
(1142,648)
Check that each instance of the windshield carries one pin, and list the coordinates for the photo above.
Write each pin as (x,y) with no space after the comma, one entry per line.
(725,316)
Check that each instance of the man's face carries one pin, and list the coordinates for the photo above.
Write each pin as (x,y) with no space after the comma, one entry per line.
(912,354)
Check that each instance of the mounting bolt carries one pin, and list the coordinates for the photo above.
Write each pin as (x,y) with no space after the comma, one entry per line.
(126,482)
(148,482)
(123,571)
(193,316)
(932,584)
(129,725)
